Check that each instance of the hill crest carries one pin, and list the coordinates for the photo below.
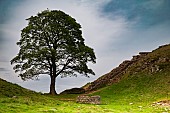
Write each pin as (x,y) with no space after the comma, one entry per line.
(148,62)
(8,89)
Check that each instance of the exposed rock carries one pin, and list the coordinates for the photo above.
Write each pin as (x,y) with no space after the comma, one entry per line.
(14,97)
(154,68)
(148,62)
(113,77)
(74,91)
(88,99)
(143,53)
(135,58)
(162,60)
(162,103)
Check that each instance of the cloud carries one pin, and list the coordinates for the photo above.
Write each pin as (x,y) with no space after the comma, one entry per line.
(145,12)
(2,69)
(113,35)
(98,29)
(153,4)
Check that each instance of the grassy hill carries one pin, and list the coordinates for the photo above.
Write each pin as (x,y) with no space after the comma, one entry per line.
(11,90)
(141,85)
(148,63)
(136,84)
(137,93)
(15,99)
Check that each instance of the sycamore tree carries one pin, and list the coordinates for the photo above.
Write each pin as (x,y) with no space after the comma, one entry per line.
(52,44)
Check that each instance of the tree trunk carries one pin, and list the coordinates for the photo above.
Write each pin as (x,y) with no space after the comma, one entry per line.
(53,78)
(52,86)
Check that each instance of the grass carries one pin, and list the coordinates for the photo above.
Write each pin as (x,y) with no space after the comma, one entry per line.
(135,93)
(45,104)
(15,99)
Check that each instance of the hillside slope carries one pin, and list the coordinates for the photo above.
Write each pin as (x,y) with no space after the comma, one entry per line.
(149,63)
(15,99)
(8,89)
(141,85)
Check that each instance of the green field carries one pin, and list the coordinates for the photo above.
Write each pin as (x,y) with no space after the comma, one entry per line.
(132,95)
(135,93)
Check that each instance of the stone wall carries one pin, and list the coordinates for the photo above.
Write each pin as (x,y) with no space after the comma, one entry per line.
(84,99)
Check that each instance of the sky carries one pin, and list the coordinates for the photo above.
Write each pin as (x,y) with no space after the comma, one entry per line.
(115,29)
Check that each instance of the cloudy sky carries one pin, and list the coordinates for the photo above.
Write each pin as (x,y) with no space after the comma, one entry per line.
(116,29)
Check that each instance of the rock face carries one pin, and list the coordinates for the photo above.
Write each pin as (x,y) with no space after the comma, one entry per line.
(109,78)
(148,62)
(74,91)
(88,99)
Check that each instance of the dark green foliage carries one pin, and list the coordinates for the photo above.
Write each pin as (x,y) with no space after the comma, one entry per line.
(52,44)
(11,90)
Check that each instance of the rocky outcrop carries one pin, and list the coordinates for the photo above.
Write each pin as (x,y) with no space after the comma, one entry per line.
(115,75)
(109,78)
(149,62)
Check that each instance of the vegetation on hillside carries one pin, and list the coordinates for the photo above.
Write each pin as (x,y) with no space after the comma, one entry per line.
(143,88)
(15,99)
(146,62)
(11,90)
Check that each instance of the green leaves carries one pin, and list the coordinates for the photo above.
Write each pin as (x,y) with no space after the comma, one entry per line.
(52,43)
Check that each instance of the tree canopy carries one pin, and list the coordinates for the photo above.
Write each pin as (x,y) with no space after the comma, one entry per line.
(52,44)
